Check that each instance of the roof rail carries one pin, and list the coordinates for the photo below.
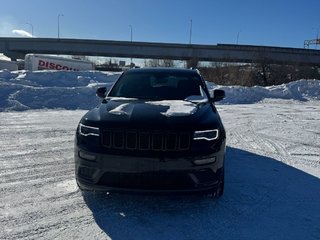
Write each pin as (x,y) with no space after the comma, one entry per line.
(196,69)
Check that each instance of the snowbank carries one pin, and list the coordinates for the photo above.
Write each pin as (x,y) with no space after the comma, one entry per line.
(23,90)
(302,90)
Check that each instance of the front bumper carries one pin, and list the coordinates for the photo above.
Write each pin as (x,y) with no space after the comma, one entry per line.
(106,172)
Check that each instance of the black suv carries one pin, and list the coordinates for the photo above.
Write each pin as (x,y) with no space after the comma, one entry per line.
(157,130)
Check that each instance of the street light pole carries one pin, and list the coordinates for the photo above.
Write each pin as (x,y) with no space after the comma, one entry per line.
(190,31)
(31,28)
(60,15)
(238,37)
(317,40)
(130,26)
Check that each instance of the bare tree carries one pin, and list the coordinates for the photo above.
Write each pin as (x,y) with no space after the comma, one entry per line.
(159,63)
(192,63)
(167,63)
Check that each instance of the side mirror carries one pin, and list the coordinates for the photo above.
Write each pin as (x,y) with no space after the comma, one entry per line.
(218,95)
(101,92)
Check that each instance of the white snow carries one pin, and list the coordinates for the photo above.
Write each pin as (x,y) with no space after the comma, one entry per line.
(4,57)
(23,90)
(123,109)
(272,188)
(176,107)
(302,90)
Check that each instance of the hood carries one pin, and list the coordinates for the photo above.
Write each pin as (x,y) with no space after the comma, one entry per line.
(173,108)
(124,112)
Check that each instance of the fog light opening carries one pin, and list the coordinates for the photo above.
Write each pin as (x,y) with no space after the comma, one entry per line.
(205,161)
(87,156)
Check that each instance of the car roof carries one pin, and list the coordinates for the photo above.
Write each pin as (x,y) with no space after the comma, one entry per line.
(163,70)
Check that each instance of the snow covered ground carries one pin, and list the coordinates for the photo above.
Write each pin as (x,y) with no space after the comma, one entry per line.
(272,168)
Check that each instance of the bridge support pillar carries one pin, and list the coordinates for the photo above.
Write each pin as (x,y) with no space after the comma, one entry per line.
(13,55)
(192,63)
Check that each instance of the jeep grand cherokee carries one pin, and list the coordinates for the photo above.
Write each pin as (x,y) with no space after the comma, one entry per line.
(158,130)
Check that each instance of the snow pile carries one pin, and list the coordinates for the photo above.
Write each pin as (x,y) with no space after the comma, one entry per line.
(302,90)
(23,90)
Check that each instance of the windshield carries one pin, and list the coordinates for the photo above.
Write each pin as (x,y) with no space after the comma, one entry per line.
(157,85)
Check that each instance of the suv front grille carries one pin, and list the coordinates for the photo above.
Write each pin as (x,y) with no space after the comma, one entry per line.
(145,140)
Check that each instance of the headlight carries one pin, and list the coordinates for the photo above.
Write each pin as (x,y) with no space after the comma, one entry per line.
(208,135)
(88,131)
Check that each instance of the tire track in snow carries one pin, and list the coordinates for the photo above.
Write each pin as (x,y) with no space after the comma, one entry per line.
(43,201)
(37,165)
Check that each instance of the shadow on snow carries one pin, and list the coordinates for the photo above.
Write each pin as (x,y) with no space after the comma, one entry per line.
(264,199)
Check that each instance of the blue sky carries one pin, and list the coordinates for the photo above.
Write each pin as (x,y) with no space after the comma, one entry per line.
(257,22)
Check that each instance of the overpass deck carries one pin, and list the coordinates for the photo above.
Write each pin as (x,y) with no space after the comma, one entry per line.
(18,47)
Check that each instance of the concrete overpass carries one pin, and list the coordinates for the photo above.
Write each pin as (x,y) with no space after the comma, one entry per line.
(16,48)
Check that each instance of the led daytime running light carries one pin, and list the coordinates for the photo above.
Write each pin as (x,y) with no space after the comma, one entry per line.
(207,135)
